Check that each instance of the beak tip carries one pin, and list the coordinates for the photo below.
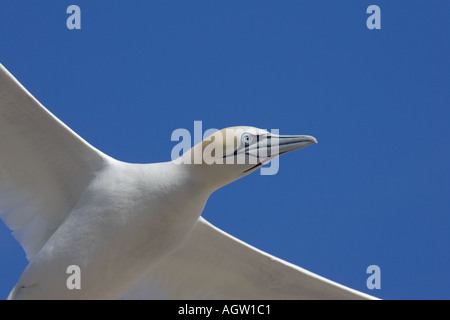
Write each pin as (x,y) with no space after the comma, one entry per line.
(312,140)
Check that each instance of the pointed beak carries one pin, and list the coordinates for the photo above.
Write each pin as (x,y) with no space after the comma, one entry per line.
(290,143)
(272,145)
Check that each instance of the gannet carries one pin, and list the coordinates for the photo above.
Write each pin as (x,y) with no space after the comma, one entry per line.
(134,230)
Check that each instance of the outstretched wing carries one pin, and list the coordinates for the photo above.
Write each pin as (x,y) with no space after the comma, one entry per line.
(211,264)
(44,166)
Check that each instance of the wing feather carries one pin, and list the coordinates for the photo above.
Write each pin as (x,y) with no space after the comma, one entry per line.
(211,264)
(44,166)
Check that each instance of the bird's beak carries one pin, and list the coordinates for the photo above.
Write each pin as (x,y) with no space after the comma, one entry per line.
(270,146)
(290,143)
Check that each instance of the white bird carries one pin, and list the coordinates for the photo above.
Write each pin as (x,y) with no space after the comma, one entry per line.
(134,230)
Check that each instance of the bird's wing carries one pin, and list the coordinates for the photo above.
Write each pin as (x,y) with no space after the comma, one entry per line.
(44,166)
(211,264)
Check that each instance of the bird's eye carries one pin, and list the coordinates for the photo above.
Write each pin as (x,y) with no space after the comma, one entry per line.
(246,138)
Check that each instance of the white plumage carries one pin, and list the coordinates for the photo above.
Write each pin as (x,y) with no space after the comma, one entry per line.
(134,230)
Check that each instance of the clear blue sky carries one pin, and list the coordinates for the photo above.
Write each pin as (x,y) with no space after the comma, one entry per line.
(374,190)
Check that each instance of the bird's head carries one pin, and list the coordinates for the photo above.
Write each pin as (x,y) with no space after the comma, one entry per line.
(235,152)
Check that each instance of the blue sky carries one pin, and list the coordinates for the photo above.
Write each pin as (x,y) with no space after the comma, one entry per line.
(373,191)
